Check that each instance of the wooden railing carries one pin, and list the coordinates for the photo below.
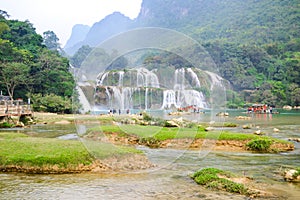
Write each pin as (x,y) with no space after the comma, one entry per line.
(14,108)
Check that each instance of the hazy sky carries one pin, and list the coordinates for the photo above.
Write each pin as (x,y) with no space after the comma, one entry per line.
(60,15)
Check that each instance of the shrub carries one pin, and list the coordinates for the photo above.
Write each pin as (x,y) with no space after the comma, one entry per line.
(150,142)
(261,145)
(230,125)
(210,179)
(6,125)
(297,173)
(191,125)
(146,116)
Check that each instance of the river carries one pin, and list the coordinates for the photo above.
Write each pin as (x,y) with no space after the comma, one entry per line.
(170,179)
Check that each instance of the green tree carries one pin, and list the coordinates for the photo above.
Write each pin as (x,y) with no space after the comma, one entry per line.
(80,56)
(51,75)
(3,27)
(51,41)
(13,74)
(3,14)
(51,103)
(23,35)
(294,95)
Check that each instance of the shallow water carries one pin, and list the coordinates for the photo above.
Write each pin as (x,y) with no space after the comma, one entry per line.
(170,179)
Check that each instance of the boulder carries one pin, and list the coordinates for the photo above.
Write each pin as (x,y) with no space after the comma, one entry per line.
(223,114)
(275,129)
(246,126)
(20,124)
(258,132)
(291,175)
(171,123)
(243,117)
(294,139)
(209,128)
(287,107)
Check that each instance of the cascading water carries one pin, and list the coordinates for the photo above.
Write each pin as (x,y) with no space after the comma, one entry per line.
(121,77)
(140,88)
(216,79)
(169,99)
(195,79)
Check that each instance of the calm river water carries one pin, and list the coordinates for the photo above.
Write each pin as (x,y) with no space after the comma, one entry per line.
(170,179)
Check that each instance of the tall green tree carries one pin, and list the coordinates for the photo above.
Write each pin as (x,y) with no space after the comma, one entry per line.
(51,41)
(51,75)
(14,74)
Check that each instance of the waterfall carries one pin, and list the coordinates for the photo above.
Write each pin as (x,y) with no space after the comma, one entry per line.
(179,80)
(194,98)
(140,79)
(146,78)
(195,79)
(146,99)
(83,100)
(102,76)
(143,91)
(169,99)
(121,77)
(183,98)
(216,79)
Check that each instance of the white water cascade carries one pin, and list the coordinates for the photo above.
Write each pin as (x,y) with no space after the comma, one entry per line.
(195,79)
(140,88)
(216,79)
(183,94)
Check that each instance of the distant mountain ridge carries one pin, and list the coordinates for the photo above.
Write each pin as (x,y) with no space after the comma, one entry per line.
(110,25)
(247,21)
(79,32)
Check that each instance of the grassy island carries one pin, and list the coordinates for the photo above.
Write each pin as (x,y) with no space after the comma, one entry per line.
(21,153)
(184,137)
(217,179)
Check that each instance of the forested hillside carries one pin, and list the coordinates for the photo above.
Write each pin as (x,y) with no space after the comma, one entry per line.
(31,67)
(255,43)
(247,21)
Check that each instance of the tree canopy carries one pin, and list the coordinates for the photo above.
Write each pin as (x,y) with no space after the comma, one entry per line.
(31,66)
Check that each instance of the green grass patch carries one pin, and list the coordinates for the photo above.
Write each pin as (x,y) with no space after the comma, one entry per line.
(213,178)
(18,149)
(164,133)
(11,135)
(102,150)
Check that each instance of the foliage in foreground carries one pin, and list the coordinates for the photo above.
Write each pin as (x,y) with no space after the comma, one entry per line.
(28,68)
(211,178)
